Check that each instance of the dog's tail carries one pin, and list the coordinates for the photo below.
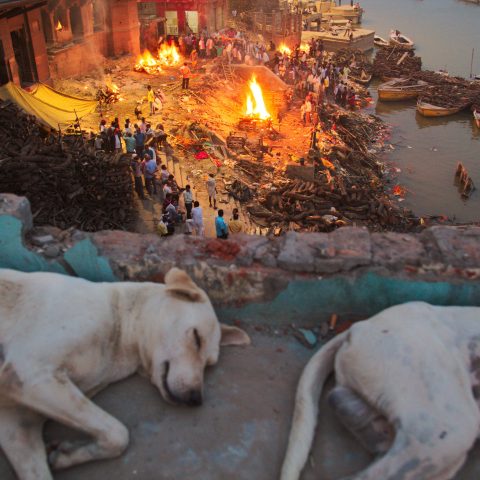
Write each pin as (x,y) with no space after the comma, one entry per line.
(305,414)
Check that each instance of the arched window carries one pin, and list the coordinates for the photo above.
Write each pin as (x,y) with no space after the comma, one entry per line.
(76,23)
(47,28)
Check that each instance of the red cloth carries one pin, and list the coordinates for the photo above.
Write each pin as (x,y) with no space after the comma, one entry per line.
(201,155)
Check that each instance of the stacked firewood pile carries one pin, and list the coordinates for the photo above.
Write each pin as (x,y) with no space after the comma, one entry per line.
(347,187)
(355,59)
(67,185)
(447,96)
(390,62)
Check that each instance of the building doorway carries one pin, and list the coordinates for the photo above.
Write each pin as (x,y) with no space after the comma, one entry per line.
(191,20)
(27,70)
(76,23)
(5,74)
(171,22)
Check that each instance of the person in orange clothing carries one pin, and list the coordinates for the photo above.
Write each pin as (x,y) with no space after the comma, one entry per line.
(185,72)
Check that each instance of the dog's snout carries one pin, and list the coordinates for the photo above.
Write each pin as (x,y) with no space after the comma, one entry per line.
(194,398)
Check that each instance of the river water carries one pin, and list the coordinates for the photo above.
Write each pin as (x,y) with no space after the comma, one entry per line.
(427,150)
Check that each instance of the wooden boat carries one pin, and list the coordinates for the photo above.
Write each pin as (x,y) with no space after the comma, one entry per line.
(476,118)
(401,41)
(362,80)
(395,90)
(429,110)
(380,41)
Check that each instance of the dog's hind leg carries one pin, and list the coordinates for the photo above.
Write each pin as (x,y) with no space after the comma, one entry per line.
(58,398)
(21,440)
(371,428)
(421,457)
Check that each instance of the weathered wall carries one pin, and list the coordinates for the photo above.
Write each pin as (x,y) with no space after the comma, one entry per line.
(296,278)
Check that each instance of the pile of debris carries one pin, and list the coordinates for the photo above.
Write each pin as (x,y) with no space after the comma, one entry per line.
(65,182)
(390,62)
(356,60)
(345,184)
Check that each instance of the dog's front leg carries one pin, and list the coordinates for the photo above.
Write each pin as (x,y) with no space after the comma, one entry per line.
(58,398)
(21,440)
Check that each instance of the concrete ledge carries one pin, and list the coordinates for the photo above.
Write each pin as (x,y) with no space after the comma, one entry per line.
(300,278)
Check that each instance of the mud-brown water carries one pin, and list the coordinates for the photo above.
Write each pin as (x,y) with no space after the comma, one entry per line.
(427,150)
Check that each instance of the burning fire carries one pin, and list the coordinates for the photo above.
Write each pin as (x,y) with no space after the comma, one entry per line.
(284,49)
(59,26)
(147,63)
(167,57)
(256,105)
(304,47)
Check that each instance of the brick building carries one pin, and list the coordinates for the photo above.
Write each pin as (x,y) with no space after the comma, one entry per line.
(174,17)
(45,39)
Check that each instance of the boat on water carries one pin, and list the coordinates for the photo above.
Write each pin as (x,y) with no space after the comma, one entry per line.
(363,79)
(400,40)
(429,110)
(476,117)
(380,41)
(400,89)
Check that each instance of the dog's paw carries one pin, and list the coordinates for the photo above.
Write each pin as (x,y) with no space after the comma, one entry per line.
(59,454)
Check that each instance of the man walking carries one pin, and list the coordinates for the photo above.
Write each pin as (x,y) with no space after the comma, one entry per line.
(221,227)
(212,190)
(185,72)
(197,217)
(151,99)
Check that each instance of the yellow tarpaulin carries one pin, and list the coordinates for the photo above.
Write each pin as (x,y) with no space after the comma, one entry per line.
(51,107)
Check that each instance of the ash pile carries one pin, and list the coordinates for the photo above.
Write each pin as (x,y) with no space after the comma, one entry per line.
(65,182)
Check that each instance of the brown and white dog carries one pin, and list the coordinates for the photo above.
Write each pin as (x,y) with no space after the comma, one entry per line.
(63,339)
(408,387)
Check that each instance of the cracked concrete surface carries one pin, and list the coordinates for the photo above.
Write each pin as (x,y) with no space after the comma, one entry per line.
(239,433)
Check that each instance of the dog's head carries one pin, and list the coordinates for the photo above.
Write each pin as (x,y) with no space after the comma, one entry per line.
(182,339)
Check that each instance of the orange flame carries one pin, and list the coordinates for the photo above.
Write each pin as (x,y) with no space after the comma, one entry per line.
(256,105)
(110,85)
(146,62)
(284,49)
(304,47)
(168,55)
(59,26)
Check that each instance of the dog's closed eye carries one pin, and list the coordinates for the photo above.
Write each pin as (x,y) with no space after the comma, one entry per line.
(198,339)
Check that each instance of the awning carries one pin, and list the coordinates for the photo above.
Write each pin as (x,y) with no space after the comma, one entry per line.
(52,108)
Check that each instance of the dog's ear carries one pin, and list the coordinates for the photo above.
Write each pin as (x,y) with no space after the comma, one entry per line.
(179,283)
(233,336)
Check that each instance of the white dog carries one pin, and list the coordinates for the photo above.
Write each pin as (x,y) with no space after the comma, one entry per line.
(63,339)
(407,387)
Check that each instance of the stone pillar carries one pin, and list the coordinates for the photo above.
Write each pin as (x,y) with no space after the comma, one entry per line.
(38,45)
(125,27)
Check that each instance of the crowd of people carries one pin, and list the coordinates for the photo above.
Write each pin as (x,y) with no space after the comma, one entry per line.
(315,78)
(312,74)
(153,180)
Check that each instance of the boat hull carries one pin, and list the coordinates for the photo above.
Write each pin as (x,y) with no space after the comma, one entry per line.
(361,81)
(396,95)
(428,110)
(403,45)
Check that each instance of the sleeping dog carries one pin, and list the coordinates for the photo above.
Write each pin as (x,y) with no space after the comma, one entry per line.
(407,386)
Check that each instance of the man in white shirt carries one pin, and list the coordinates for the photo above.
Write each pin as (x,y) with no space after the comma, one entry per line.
(188,199)
(212,190)
(197,217)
